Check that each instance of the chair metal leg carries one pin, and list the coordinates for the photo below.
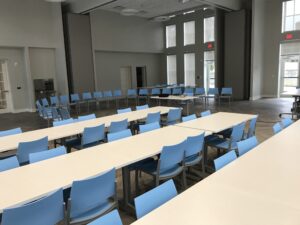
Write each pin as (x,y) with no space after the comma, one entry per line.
(184,182)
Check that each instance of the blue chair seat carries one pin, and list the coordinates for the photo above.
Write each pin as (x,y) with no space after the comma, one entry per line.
(192,160)
(93,213)
(221,143)
(151,168)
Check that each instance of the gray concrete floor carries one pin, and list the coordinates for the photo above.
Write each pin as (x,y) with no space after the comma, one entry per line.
(267,109)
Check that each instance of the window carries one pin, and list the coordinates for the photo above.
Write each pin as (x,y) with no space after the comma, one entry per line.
(171,69)
(291,15)
(170,36)
(189,33)
(209,69)
(189,69)
(209,29)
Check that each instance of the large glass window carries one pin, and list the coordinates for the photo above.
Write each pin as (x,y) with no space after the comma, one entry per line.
(291,15)
(171,36)
(209,29)
(171,69)
(189,69)
(209,69)
(189,33)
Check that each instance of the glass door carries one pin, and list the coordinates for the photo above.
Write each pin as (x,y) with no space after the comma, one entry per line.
(5,98)
(290,71)
(209,70)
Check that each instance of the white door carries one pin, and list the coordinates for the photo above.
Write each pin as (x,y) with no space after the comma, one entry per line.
(126,78)
(5,92)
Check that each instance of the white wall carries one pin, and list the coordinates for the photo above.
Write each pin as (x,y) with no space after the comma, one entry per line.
(33,23)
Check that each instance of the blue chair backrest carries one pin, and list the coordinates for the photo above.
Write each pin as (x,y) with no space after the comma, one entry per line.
(213,91)
(200,91)
(286,122)
(188,118)
(54,100)
(277,128)
(107,94)
(155,91)
(9,163)
(141,107)
(98,94)
(64,113)
(119,135)
(252,127)
(40,156)
(154,198)
(188,91)
(224,160)
(176,91)
(86,117)
(206,113)
(166,91)
(86,96)
(149,127)
(112,218)
(237,132)
(45,102)
(246,145)
(64,100)
(10,132)
(75,97)
(117,93)
(118,126)
(171,156)
(120,111)
(143,91)
(63,122)
(87,194)
(194,145)
(132,92)
(226,91)
(93,134)
(55,114)
(47,211)
(173,116)
(26,148)
(153,117)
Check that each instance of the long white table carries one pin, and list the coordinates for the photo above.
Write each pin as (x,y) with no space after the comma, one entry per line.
(261,188)
(11,142)
(28,183)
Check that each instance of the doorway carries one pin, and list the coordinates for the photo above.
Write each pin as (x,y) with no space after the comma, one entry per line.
(141,77)
(209,70)
(5,92)
(126,78)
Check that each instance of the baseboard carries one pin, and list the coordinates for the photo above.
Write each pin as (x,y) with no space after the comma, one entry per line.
(23,110)
(269,96)
(255,98)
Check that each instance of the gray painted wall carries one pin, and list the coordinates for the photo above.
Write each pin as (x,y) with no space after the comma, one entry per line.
(33,23)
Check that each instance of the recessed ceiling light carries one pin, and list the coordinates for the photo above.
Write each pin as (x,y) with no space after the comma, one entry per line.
(55,0)
(129,12)
(161,18)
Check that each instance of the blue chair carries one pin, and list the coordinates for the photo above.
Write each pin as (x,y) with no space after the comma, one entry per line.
(54,101)
(40,156)
(119,135)
(176,91)
(286,122)
(118,126)
(237,135)
(48,210)
(75,101)
(26,148)
(64,100)
(189,118)
(149,127)
(120,111)
(193,150)
(117,93)
(55,114)
(153,117)
(9,163)
(86,117)
(169,165)
(226,93)
(155,92)
(143,94)
(92,198)
(142,107)
(112,218)
(87,97)
(200,91)
(64,113)
(166,91)
(108,96)
(154,198)
(246,145)
(98,96)
(206,113)
(189,91)
(174,116)
(252,127)
(224,160)
(277,128)
(10,132)
(131,94)
(213,93)
(63,122)
(45,102)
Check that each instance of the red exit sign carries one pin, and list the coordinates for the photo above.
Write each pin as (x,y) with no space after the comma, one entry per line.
(210,45)
(289,36)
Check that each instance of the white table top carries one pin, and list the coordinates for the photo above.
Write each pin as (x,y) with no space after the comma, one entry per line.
(176,97)
(294,93)
(28,183)
(11,142)
(261,188)
(217,122)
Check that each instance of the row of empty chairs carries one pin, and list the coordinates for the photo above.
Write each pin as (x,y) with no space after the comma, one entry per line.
(282,125)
